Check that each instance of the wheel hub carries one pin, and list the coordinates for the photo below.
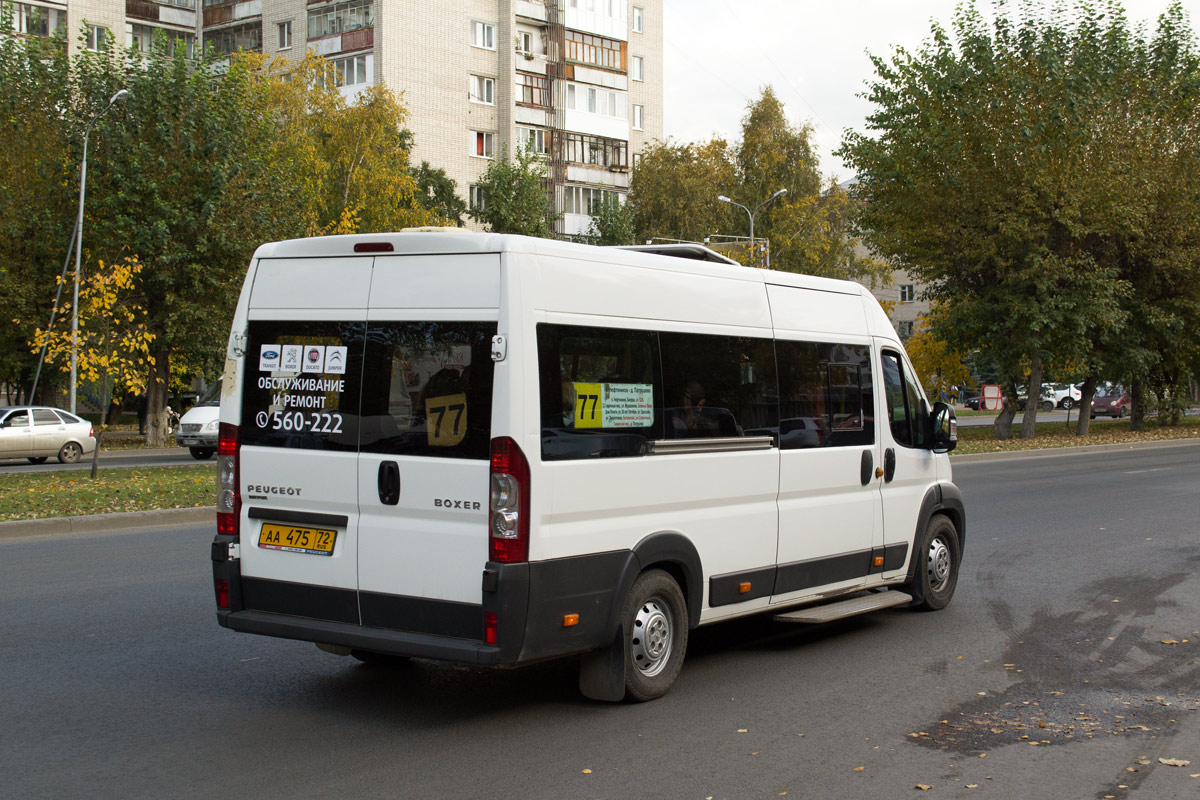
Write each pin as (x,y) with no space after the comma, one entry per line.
(651,637)
(938,564)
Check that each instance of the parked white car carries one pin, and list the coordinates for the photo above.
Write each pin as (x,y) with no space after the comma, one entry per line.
(1065,395)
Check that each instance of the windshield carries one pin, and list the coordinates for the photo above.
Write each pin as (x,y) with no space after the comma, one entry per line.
(212,396)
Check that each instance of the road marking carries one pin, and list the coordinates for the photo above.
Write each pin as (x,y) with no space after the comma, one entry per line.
(1140,471)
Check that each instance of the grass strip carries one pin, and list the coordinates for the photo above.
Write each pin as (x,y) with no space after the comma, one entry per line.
(69,493)
(982,438)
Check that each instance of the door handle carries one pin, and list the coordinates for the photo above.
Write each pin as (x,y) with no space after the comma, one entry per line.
(866,467)
(389,483)
(889,465)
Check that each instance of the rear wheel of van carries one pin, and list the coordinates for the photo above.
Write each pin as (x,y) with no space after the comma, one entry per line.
(201,453)
(936,570)
(656,625)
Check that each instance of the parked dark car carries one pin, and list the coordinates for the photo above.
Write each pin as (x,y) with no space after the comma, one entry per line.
(1114,403)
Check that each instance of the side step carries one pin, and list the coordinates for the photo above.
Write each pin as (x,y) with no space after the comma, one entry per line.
(847,608)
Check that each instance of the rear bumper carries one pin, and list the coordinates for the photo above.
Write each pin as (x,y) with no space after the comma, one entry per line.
(378,640)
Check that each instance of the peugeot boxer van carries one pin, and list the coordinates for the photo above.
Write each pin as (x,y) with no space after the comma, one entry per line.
(497,450)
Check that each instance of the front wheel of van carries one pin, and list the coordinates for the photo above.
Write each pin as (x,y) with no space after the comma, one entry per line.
(656,624)
(936,571)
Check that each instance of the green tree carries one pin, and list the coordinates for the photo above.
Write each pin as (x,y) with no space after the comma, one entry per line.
(436,191)
(1023,169)
(612,223)
(515,197)
(39,184)
(674,195)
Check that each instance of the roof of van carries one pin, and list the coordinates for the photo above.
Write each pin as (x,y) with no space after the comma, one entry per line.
(446,241)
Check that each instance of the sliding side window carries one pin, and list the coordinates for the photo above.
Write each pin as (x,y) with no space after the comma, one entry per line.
(600,391)
(718,386)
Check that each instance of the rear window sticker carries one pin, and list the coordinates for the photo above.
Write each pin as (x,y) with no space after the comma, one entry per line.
(335,360)
(268,358)
(314,358)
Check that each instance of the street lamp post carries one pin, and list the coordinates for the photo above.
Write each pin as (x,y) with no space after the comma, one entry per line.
(79,247)
(750,213)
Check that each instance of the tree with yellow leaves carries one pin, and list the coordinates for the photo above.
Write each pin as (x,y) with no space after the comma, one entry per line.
(939,366)
(113,340)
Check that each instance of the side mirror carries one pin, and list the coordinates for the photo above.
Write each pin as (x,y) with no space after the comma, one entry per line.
(944,436)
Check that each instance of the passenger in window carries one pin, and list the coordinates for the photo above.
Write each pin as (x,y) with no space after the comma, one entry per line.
(693,406)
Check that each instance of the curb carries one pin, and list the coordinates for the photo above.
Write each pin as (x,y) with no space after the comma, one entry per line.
(1009,455)
(99,523)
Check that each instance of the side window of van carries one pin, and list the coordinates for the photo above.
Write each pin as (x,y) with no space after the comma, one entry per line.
(826,397)
(301,387)
(718,386)
(427,389)
(600,391)
(905,407)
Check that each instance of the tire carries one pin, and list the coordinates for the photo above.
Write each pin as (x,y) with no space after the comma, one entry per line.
(655,621)
(70,453)
(201,453)
(1121,412)
(936,569)
(1048,405)
(37,459)
(1068,403)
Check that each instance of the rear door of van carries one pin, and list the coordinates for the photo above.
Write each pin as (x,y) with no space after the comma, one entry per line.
(299,436)
(426,431)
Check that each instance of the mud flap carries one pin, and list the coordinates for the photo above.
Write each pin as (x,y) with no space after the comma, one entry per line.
(602,672)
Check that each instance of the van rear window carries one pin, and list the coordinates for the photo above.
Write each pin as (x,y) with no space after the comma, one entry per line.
(301,386)
(427,389)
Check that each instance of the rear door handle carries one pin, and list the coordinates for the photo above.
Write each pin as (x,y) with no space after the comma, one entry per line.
(389,483)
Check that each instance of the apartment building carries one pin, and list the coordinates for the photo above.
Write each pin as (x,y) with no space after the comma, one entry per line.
(577,81)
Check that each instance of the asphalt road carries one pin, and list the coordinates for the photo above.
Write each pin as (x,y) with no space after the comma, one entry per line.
(1047,676)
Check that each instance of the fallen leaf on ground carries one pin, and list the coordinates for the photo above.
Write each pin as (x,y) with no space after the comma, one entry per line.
(924,787)
(1170,641)
(587,772)
(1174,762)
(859,769)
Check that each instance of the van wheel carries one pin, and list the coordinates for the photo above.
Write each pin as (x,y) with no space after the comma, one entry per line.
(656,625)
(936,571)
(201,453)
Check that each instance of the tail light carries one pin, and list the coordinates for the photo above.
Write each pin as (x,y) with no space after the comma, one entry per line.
(229,500)
(509,519)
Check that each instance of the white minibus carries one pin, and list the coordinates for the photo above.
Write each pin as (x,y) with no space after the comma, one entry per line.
(498,450)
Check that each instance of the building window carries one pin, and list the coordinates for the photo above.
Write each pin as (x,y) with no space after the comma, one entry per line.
(637,160)
(639,117)
(483,90)
(37,21)
(484,144)
(483,35)
(97,38)
(596,151)
(476,198)
(341,18)
(635,68)
(587,199)
(535,140)
(904,328)
(533,90)
(525,42)
(141,38)
(285,35)
(595,100)
(638,22)
(907,293)
(595,50)
(239,37)
(351,70)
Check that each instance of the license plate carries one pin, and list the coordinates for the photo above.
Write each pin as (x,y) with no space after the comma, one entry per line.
(317,541)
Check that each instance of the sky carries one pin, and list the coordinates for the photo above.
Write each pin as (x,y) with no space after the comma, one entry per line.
(718,54)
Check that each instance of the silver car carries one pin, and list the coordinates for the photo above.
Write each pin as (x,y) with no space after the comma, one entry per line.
(38,432)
